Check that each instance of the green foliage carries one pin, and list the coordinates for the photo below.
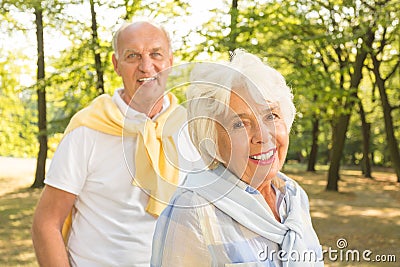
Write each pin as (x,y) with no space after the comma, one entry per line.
(314,44)
(17,110)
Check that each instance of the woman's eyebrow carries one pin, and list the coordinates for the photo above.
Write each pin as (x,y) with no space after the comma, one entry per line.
(271,106)
(229,118)
(236,116)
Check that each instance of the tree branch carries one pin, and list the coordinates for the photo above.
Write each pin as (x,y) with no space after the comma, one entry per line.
(393,70)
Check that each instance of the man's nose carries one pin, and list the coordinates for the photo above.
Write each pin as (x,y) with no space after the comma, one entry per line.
(146,64)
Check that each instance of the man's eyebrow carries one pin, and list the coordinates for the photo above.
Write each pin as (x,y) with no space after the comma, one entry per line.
(157,49)
(129,50)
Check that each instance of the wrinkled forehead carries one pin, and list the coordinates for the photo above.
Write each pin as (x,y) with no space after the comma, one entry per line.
(244,104)
(143,32)
(251,98)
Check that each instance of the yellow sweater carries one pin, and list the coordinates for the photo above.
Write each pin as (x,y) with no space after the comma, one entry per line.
(156,157)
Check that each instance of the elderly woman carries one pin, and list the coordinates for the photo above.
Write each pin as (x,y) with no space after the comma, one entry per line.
(242,211)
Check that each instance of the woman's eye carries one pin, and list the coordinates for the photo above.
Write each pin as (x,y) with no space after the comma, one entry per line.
(271,117)
(238,125)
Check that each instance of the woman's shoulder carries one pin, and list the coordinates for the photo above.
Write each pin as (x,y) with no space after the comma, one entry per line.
(187,198)
(199,178)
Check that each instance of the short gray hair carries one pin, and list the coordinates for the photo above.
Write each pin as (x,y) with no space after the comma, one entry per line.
(208,96)
(125,25)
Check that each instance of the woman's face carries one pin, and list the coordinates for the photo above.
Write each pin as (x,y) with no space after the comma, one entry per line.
(252,139)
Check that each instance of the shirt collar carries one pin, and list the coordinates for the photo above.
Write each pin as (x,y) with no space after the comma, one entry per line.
(133,114)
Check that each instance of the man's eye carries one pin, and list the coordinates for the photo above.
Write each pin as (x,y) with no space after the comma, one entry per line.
(131,56)
(156,54)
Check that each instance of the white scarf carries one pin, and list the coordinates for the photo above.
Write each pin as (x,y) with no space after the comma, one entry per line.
(219,188)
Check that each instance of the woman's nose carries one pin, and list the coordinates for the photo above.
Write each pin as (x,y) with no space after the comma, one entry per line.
(262,133)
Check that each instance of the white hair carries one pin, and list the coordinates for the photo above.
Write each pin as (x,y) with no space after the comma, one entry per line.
(209,93)
(139,21)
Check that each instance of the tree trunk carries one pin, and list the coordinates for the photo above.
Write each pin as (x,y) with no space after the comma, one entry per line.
(366,133)
(312,160)
(340,129)
(41,94)
(387,109)
(96,51)
(234,33)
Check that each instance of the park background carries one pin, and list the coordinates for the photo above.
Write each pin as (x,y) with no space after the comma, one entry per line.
(340,57)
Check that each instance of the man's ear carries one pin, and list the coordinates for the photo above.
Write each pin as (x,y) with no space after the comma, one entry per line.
(115,63)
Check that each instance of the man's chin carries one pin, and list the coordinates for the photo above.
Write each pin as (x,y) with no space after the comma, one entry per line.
(148,94)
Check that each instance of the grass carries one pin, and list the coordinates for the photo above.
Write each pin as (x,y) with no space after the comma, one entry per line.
(365,213)
(17,204)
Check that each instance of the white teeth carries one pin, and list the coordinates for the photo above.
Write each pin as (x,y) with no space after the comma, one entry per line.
(146,79)
(264,156)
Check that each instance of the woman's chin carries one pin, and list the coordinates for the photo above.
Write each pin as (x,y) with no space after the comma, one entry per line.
(262,175)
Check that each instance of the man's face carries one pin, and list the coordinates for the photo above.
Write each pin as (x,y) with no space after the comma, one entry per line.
(143,55)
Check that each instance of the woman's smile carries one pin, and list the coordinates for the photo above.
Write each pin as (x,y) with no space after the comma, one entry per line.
(264,158)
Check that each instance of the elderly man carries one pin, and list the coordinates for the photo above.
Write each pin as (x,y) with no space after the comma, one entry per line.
(112,173)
